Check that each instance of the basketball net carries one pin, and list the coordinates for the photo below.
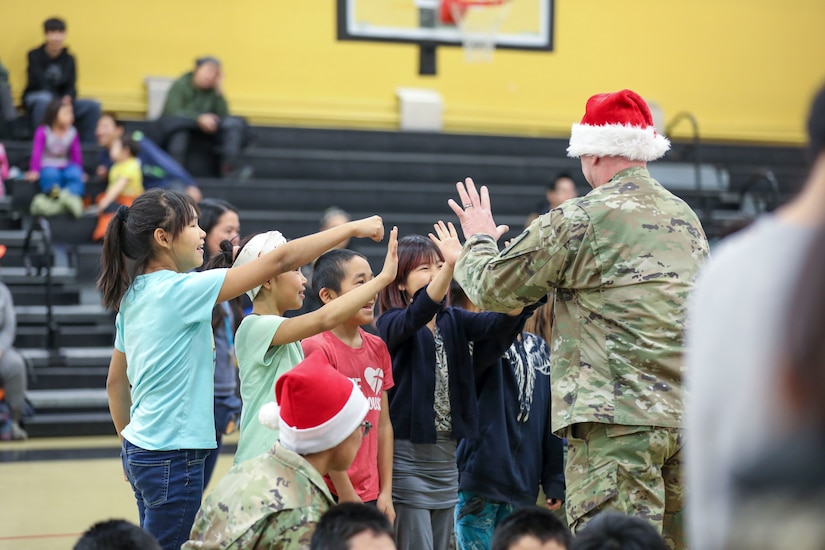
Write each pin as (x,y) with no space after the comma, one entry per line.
(479,22)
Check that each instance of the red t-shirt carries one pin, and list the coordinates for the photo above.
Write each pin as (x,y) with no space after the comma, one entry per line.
(371,368)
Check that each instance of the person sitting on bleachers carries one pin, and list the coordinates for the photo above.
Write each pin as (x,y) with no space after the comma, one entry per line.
(125,183)
(57,163)
(159,169)
(12,366)
(8,113)
(52,73)
(195,104)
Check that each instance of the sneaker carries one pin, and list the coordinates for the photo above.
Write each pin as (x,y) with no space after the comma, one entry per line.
(72,203)
(243,173)
(18,433)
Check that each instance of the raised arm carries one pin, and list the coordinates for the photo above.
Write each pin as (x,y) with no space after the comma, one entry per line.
(294,254)
(446,239)
(342,308)
(532,264)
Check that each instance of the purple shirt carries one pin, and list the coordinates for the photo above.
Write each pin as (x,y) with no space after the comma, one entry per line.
(55,151)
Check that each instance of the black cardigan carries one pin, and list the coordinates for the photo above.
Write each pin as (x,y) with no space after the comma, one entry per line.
(412,348)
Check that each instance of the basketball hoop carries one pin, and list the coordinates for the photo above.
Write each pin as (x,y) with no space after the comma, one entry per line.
(478,21)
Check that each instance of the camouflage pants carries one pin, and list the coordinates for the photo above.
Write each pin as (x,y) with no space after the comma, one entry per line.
(636,470)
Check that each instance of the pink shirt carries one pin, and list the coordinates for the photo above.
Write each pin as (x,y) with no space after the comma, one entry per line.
(371,368)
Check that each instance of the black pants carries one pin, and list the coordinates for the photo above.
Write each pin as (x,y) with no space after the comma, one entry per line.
(177,135)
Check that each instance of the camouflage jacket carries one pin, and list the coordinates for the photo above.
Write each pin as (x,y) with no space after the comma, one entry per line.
(271,501)
(622,259)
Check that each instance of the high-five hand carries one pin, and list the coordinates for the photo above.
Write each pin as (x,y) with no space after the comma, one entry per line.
(446,239)
(474,213)
(391,261)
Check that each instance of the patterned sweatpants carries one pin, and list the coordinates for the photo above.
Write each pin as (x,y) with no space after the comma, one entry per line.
(636,470)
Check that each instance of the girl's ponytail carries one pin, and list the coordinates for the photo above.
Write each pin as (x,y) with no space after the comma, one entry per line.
(114,276)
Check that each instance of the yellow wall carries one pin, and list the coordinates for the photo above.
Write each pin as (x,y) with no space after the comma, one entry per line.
(745,68)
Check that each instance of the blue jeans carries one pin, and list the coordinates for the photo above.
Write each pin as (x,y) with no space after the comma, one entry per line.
(475,520)
(227,410)
(168,488)
(69,178)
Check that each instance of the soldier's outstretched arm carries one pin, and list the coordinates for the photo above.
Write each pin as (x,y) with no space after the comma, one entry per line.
(539,259)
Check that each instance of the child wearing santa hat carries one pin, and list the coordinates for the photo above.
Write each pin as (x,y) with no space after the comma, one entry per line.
(276,499)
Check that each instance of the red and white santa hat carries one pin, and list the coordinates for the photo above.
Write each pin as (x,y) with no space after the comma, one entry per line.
(617,124)
(318,407)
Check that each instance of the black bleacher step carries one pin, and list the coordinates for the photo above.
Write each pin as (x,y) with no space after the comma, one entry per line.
(70,357)
(393,141)
(366,195)
(67,336)
(69,424)
(9,222)
(20,275)
(36,296)
(72,314)
(14,238)
(63,412)
(67,229)
(381,166)
(77,399)
(61,378)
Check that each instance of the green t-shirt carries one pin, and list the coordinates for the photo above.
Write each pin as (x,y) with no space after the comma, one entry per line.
(260,364)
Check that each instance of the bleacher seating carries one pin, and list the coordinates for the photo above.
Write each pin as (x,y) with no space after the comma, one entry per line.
(405,177)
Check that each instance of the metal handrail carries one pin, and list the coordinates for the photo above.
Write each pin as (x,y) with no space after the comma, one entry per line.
(41,225)
(684,115)
(756,177)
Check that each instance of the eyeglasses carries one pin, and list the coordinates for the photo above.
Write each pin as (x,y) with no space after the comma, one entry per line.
(366,426)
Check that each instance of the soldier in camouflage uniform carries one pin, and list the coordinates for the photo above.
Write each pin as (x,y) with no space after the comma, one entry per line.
(275,500)
(622,259)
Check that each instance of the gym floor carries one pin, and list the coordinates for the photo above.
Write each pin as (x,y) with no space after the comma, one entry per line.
(51,490)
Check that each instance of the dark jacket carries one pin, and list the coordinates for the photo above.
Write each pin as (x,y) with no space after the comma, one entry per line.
(187,100)
(158,168)
(412,348)
(511,457)
(56,75)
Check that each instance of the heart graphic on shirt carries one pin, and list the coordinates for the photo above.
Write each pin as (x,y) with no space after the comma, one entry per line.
(374,379)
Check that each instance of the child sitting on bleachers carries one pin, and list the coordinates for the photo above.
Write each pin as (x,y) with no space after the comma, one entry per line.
(57,163)
(125,182)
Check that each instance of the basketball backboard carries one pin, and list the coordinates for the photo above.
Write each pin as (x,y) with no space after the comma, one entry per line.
(528,24)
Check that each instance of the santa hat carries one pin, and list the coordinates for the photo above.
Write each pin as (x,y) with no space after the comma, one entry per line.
(617,124)
(256,247)
(318,407)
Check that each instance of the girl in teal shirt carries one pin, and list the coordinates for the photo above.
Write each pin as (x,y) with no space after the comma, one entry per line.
(160,381)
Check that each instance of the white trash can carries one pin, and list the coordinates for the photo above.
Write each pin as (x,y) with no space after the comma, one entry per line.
(156,89)
(420,109)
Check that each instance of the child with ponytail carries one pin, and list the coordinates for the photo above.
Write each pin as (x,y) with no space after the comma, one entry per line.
(160,382)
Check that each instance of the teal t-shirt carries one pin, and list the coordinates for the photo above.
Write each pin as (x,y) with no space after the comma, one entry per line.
(165,329)
(260,365)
